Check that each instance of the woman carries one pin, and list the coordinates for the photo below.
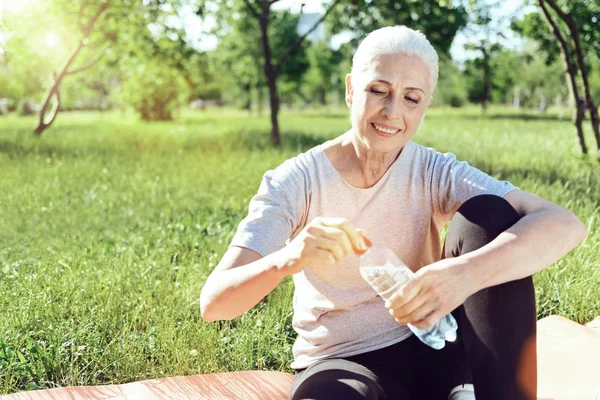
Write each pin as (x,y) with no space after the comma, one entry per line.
(312,210)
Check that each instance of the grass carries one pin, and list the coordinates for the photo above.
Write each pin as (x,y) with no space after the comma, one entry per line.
(110,226)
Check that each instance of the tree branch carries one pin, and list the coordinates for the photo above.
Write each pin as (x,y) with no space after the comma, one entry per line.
(299,41)
(565,17)
(557,33)
(89,65)
(252,9)
(90,26)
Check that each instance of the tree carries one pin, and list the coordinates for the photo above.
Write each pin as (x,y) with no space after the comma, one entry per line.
(451,88)
(439,20)
(580,16)
(324,70)
(240,52)
(570,30)
(532,26)
(489,33)
(261,11)
(86,24)
(90,31)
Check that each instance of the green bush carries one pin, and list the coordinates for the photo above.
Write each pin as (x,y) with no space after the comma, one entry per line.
(451,89)
(154,90)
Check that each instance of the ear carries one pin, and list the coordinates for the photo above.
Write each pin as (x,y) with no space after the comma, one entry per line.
(349,90)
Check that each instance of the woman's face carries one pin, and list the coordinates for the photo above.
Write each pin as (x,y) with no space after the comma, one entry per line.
(388,100)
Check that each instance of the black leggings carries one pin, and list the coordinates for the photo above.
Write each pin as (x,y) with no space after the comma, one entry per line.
(495,349)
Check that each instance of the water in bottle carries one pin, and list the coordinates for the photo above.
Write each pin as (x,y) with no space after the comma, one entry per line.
(386,274)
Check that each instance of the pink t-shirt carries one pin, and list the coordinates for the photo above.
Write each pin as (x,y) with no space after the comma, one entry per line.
(336,313)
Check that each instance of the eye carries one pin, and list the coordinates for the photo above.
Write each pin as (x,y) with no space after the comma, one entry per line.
(410,99)
(377,92)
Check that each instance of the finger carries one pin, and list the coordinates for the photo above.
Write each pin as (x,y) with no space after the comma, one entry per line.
(332,246)
(428,321)
(355,237)
(405,294)
(410,310)
(421,314)
(325,256)
(340,236)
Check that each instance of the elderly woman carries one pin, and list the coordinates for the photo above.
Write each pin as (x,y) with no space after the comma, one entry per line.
(311,211)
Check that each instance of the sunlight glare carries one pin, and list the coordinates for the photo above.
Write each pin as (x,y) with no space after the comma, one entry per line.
(15,6)
(52,40)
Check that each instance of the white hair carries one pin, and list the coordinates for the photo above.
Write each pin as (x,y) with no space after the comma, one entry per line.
(396,40)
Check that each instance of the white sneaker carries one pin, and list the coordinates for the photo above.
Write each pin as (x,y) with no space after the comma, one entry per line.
(466,391)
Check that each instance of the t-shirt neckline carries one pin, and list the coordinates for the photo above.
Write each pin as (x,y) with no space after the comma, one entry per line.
(403,155)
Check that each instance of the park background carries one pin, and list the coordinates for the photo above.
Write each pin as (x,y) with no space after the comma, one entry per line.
(133,133)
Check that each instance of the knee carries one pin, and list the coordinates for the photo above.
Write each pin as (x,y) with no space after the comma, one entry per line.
(337,383)
(477,222)
(491,212)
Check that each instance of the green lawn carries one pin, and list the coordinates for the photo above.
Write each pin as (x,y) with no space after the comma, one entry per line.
(109,228)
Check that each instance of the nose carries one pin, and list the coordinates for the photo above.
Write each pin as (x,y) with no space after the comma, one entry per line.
(393,109)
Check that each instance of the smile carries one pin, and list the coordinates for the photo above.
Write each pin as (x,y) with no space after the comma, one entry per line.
(385,130)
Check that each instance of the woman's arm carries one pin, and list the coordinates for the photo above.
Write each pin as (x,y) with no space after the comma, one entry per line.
(544,233)
(243,278)
(230,290)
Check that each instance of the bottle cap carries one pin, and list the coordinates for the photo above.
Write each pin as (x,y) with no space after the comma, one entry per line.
(367,242)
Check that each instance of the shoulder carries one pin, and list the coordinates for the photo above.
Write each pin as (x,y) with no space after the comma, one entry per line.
(430,159)
(296,172)
(432,154)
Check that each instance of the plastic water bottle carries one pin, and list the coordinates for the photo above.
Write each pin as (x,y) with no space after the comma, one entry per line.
(386,274)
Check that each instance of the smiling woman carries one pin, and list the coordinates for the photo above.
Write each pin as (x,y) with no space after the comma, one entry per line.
(311,213)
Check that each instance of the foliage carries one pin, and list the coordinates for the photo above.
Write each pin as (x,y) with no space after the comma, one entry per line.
(439,20)
(587,18)
(451,88)
(326,71)
(154,90)
(41,40)
(240,51)
(534,27)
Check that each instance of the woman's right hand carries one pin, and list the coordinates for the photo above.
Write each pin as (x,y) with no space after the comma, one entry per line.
(323,241)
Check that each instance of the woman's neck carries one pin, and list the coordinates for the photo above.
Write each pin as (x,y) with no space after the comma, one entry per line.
(370,164)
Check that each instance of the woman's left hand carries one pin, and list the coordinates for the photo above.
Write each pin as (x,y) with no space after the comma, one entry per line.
(434,291)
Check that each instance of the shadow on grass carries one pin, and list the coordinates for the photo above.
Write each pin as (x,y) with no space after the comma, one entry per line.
(137,144)
(19,149)
(528,117)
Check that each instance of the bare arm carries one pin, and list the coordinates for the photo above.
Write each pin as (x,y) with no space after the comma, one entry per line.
(230,290)
(243,278)
(545,233)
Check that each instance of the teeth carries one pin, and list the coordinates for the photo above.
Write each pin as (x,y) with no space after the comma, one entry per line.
(384,130)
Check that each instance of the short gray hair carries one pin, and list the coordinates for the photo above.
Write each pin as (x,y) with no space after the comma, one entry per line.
(396,40)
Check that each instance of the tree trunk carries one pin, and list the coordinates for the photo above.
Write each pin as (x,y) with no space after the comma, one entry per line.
(571,74)
(248,102)
(487,81)
(260,98)
(581,63)
(55,90)
(43,124)
(270,74)
(322,98)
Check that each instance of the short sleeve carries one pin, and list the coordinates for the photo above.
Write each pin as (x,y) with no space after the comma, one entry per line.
(274,212)
(453,182)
